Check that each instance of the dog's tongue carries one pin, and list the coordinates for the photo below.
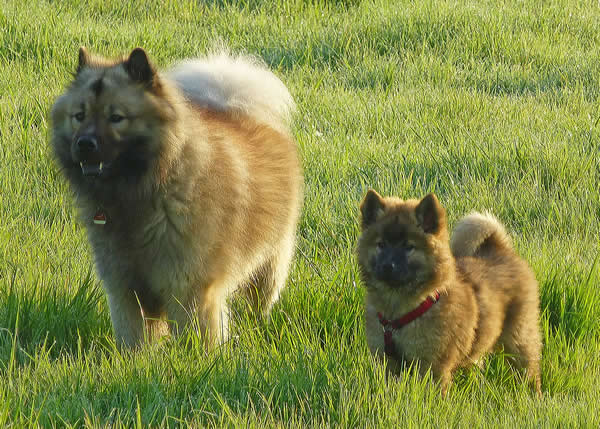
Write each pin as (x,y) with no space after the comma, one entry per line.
(91,169)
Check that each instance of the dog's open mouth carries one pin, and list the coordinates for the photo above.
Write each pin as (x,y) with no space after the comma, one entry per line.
(91,169)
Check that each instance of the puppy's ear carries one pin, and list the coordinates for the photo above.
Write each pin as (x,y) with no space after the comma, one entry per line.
(138,66)
(84,59)
(371,208)
(431,216)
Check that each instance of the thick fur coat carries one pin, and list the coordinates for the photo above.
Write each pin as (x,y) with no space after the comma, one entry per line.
(197,180)
(488,294)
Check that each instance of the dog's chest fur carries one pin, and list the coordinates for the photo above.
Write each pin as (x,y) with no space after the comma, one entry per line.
(417,340)
(146,248)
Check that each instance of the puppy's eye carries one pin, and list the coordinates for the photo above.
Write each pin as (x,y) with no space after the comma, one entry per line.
(380,245)
(409,248)
(115,118)
(79,116)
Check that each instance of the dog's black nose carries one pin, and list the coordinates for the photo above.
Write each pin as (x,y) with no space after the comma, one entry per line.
(385,271)
(388,269)
(87,144)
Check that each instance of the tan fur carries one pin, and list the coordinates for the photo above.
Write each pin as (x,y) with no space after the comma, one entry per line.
(473,230)
(489,295)
(214,208)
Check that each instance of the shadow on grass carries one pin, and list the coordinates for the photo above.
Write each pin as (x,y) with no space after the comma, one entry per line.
(35,314)
(571,302)
(251,5)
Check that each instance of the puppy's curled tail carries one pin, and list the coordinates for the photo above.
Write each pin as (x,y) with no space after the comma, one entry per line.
(479,234)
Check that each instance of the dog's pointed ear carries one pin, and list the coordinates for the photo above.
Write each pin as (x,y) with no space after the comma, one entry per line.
(431,216)
(371,208)
(84,59)
(138,66)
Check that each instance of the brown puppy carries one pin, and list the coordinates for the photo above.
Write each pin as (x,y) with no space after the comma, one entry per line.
(439,303)
(188,182)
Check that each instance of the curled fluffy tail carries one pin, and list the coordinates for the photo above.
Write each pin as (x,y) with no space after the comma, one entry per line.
(238,85)
(478,234)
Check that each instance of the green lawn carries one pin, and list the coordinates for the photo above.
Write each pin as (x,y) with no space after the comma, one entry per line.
(491,104)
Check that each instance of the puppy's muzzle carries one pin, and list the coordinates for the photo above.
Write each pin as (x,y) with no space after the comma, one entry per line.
(391,267)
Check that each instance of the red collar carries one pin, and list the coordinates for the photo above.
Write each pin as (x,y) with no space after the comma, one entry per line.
(391,325)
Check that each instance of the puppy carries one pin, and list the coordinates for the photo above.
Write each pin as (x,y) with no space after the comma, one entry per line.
(439,303)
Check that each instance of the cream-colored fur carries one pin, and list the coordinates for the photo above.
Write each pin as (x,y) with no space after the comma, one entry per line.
(472,230)
(235,84)
(215,195)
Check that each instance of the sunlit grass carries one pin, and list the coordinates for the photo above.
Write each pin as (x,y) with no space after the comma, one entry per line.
(492,105)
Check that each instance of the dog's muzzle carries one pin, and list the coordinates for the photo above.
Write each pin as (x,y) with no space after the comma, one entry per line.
(87,151)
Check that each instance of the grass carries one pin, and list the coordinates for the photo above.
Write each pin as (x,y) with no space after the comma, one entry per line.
(492,105)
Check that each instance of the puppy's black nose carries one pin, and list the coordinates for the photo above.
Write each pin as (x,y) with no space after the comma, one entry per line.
(87,144)
(391,269)
(385,271)
(388,269)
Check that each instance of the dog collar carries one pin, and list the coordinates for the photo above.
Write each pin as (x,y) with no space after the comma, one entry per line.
(391,325)
(100,217)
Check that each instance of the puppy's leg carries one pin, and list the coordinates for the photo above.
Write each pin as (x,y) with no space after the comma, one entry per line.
(489,330)
(271,277)
(127,317)
(206,312)
(443,375)
(443,367)
(521,338)
(526,356)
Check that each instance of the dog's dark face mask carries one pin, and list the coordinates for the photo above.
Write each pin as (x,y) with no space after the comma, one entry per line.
(105,125)
(395,247)
(390,264)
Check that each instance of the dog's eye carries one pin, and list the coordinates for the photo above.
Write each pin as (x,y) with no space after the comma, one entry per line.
(79,116)
(116,118)
(409,248)
(380,245)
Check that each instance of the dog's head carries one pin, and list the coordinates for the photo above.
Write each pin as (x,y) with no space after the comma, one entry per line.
(404,244)
(106,127)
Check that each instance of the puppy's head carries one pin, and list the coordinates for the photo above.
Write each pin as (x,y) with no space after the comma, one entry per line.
(403,245)
(106,126)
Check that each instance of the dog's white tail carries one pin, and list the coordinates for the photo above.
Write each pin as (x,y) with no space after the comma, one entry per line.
(477,231)
(238,85)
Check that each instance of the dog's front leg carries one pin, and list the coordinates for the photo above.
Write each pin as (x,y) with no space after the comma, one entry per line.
(127,317)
